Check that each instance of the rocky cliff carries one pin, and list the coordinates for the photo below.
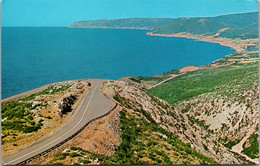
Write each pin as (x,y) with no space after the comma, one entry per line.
(197,121)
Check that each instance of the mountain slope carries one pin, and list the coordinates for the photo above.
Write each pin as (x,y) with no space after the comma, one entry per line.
(224,100)
(219,101)
(134,23)
(242,26)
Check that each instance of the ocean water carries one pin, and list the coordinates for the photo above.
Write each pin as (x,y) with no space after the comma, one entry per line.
(32,57)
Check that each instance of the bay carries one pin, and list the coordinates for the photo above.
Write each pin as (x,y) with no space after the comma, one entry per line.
(35,56)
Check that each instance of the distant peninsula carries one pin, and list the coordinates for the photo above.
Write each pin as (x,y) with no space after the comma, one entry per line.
(243,26)
(238,31)
(129,23)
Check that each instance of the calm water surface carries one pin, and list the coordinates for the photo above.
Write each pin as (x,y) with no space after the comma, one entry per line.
(32,57)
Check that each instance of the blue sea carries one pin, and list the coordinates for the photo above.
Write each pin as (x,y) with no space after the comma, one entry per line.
(32,57)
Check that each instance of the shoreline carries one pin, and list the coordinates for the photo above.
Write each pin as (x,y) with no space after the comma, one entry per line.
(210,39)
(222,41)
(112,28)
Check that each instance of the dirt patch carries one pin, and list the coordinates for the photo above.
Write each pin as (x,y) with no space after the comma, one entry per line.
(102,137)
(189,69)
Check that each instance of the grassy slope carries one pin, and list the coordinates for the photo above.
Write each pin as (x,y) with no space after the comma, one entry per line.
(18,116)
(227,82)
(253,150)
(241,26)
(208,80)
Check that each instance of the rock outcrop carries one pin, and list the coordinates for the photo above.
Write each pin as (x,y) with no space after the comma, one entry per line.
(66,104)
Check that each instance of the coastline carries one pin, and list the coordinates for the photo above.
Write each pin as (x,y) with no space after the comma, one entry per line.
(238,46)
(112,28)
(222,41)
(35,90)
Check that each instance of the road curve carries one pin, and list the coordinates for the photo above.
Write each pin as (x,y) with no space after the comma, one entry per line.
(93,105)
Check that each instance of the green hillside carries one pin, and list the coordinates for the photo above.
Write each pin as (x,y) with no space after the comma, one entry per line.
(232,26)
(242,26)
(221,80)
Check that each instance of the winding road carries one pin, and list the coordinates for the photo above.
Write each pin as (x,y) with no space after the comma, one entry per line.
(93,105)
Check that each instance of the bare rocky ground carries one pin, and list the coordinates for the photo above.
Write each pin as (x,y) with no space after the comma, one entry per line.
(53,106)
(227,119)
(206,122)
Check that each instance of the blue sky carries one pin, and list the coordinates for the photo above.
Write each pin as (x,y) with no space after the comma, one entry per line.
(65,12)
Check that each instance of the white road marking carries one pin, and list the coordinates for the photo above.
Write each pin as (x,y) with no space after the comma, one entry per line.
(63,134)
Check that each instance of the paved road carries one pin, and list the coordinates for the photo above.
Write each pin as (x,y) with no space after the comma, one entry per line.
(93,105)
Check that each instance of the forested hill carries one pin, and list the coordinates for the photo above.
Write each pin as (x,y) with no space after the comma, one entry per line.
(135,23)
(244,25)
